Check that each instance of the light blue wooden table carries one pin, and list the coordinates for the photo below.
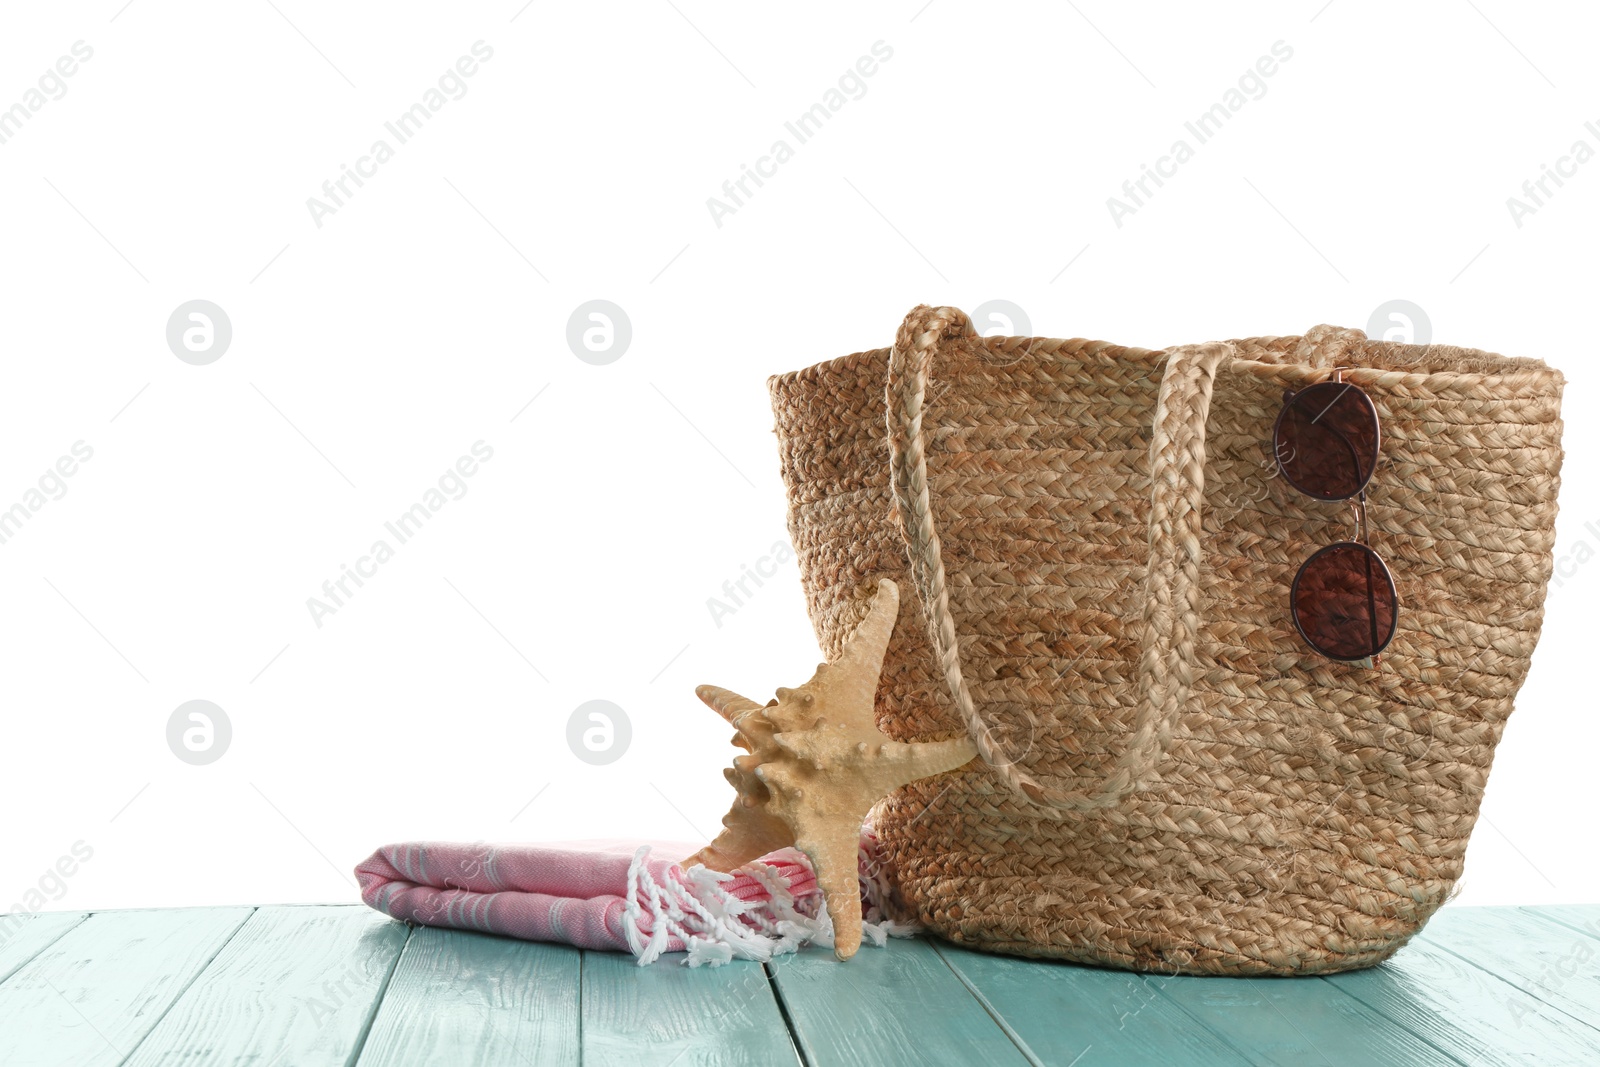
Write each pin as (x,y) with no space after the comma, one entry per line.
(306,986)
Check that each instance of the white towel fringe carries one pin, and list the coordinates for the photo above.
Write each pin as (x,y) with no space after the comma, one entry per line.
(715,926)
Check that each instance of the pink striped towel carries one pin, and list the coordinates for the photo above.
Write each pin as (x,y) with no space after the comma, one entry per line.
(602,896)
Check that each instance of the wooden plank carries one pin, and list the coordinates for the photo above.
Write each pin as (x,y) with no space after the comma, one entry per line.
(296,986)
(460,999)
(725,1016)
(1299,1022)
(1585,918)
(1474,1015)
(1549,962)
(900,1004)
(89,998)
(23,937)
(1088,1015)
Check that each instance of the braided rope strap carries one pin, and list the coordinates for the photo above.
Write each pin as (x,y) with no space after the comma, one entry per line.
(1172,578)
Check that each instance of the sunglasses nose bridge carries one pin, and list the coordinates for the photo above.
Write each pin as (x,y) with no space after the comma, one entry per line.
(1358,518)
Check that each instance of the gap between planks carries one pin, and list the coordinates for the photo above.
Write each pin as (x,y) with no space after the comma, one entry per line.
(999,1020)
(377,1001)
(783,1013)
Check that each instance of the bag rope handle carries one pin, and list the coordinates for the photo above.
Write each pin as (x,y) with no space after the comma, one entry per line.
(1172,578)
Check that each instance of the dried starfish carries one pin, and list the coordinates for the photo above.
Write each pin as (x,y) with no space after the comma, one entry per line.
(817,764)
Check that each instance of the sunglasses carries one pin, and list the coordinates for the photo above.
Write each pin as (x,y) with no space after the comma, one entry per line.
(1343,598)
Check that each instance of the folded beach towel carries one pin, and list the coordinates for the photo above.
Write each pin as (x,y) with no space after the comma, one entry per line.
(606,896)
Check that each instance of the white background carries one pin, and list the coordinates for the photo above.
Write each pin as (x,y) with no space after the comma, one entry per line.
(372,351)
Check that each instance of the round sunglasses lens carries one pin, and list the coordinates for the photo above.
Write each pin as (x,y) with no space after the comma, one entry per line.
(1344,602)
(1326,440)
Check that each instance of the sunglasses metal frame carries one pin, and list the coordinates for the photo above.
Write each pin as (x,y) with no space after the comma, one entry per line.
(1289,398)
(1371,555)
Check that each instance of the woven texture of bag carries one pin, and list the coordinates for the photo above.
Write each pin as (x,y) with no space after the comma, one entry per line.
(1101,550)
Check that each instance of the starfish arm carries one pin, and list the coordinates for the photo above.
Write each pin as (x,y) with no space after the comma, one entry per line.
(926,758)
(726,702)
(847,686)
(819,748)
(831,844)
(748,834)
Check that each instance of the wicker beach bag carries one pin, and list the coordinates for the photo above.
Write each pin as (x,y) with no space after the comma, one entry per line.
(1101,550)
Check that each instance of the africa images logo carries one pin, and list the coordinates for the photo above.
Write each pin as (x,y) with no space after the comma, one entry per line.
(1251,85)
(803,128)
(403,128)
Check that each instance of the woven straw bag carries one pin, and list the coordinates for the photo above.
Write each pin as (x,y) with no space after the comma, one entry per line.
(1170,779)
